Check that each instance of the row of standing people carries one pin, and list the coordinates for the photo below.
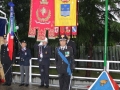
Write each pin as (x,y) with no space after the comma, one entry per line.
(64,56)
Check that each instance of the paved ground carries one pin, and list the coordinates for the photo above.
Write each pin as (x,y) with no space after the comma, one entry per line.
(30,87)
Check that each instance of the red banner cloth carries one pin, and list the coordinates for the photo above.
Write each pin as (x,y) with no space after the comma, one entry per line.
(68,30)
(41,15)
(56,29)
(32,33)
(51,34)
(41,34)
(62,30)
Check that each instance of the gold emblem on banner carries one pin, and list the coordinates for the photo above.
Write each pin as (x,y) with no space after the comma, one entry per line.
(43,1)
(43,12)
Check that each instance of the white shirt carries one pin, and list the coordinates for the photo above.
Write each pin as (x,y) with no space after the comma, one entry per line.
(63,47)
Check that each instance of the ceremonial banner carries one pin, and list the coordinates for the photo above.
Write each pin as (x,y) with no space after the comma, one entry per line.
(41,15)
(68,30)
(65,12)
(41,34)
(32,33)
(74,30)
(56,31)
(62,30)
(51,34)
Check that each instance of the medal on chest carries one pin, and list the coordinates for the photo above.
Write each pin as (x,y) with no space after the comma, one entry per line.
(67,54)
(25,53)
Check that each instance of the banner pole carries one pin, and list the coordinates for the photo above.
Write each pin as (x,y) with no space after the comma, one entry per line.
(106,35)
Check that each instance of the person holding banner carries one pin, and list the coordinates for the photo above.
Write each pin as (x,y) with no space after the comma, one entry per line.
(7,62)
(64,63)
(25,56)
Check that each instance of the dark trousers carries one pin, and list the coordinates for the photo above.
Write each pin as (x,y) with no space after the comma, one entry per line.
(64,80)
(8,73)
(44,70)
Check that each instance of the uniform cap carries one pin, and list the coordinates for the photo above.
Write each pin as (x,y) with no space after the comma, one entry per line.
(23,41)
(62,37)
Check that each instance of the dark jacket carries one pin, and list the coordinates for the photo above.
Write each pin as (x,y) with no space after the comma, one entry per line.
(60,64)
(46,54)
(25,56)
(73,45)
(5,59)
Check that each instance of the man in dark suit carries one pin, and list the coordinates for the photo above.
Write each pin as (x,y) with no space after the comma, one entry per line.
(64,63)
(6,62)
(44,61)
(71,44)
(25,56)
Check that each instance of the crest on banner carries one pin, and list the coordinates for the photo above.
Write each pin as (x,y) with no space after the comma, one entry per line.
(43,1)
(65,10)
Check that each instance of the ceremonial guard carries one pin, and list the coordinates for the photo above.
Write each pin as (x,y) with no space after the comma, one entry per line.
(71,44)
(25,56)
(44,61)
(6,62)
(64,63)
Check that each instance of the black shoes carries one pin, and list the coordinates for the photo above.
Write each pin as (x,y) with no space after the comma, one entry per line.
(41,85)
(26,85)
(47,86)
(7,84)
(21,85)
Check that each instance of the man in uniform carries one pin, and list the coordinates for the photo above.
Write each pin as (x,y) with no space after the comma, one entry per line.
(71,44)
(64,62)
(44,61)
(25,56)
(6,62)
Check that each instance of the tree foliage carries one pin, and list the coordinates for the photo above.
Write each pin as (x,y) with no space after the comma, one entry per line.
(91,16)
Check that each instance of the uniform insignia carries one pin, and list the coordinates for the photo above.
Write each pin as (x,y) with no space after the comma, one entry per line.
(67,54)
(25,53)
(103,82)
(46,52)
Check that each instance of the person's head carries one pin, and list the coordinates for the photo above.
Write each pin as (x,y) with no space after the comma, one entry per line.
(68,37)
(63,40)
(45,41)
(5,39)
(23,44)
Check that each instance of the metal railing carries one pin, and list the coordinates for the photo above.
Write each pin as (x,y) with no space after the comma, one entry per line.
(74,77)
